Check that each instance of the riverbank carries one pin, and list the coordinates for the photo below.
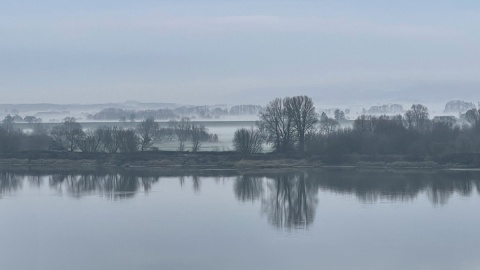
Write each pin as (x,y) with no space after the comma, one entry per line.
(225,160)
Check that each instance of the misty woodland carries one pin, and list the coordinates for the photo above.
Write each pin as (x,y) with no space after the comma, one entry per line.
(290,126)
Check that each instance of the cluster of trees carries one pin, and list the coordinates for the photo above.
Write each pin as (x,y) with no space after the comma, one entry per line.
(131,115)
(17,118)
(285,124)
(70,136)
(459,106)
(176,113)
(386,109)
(413,134)
(291,125)
(184,130)
(245,109)
(12,140)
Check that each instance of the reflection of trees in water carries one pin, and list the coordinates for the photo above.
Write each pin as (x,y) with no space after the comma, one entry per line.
(196,183)
(116,186)
(182,180)
(440,190)
(369,187)
(75,185)
(10,182)
(398,186)
(35,180)
(248,188)
(147,182)
(290,201)
(286,197)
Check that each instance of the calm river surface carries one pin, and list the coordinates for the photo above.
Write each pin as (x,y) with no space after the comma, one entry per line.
(314,219)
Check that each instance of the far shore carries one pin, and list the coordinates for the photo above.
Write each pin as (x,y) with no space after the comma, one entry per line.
(170,160)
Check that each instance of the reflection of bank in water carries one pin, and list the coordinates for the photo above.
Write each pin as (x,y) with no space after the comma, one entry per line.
(288,199)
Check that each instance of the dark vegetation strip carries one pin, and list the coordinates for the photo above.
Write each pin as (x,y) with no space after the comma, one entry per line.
(299,136)
(225,160)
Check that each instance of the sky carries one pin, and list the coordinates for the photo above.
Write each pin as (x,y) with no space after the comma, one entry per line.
(235,52)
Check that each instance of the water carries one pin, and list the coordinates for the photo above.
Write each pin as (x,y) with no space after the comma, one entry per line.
(313,219)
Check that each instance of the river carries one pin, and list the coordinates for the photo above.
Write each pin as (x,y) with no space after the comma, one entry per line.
(302,219)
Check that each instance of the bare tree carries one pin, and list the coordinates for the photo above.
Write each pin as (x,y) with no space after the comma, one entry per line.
(182,131)
(90,141)
(247,141)
(301,111)
(365,124)
(110,138)
(129,141)
(67,135)
(198,133)
(417,117)
(339,115)
(328,125)
(277,126)
(147,130)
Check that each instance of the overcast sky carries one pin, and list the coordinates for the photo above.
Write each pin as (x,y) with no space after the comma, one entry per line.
(210,52)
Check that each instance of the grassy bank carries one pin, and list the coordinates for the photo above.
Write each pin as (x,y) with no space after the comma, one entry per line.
(226,160)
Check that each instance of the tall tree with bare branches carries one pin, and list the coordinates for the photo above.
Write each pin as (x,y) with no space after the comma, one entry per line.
(277,126)
(301,112)
(147,130)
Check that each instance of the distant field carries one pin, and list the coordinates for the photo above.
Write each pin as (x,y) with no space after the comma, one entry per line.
(223,129)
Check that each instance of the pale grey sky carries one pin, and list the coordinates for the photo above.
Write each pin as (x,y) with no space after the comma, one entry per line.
(209,52)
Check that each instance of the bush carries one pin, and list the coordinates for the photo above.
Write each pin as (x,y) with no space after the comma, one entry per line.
(247,141)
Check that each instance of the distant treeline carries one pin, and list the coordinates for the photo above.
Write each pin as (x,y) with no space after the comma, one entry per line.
(70,136)
(177,113)
(386,109)
(459,106)
(291,125)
